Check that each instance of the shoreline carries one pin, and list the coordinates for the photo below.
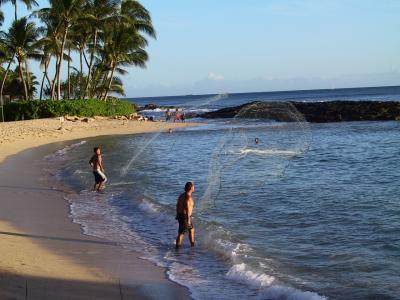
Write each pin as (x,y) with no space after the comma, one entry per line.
(43,248)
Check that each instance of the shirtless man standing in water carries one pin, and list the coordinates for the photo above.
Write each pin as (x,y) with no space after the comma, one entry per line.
(98,170)
(184,210)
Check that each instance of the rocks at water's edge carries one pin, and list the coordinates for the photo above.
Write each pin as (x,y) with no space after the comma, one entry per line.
(152,106)
(322,112)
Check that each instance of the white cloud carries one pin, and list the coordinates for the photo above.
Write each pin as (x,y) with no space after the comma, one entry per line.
(213,76)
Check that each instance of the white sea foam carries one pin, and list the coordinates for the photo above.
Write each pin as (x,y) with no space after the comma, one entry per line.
(268,152)
(65,150)
(103,220)
(77,172)
(240,272)
(268,286)
(148,207)
(279,292)
(218,240)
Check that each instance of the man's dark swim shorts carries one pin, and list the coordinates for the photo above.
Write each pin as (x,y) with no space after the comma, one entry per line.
(97,177)
(183,223)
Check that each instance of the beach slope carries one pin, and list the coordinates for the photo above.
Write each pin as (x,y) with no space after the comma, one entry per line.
(43,254)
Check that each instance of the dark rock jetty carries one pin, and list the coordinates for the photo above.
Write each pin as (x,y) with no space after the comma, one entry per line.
(318,112)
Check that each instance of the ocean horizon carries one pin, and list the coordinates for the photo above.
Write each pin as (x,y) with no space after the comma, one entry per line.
(352,93)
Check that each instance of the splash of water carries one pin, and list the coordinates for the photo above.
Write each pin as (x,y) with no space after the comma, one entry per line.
(152,137)
(282,133)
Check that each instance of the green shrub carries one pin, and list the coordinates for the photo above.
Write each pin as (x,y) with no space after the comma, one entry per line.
(27,110)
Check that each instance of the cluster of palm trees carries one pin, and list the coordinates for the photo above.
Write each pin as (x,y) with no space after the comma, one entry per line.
(106,35)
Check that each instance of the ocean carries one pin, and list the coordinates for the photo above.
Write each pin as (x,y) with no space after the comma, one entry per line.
(311,212)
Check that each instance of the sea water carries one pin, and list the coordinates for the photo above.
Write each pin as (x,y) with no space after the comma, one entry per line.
(279,224)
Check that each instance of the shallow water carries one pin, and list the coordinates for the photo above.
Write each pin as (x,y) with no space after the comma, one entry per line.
(303,215)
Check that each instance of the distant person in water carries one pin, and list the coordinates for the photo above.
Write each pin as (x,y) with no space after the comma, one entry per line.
(257,140)
(98,170)
(183,117)
(184,210)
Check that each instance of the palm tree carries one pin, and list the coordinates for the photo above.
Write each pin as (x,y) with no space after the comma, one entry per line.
(3,81)
(29,4)
(123,46)
(20,42)
(79,37)
(50,45)
(104,12)
(1,17)
(109,35)
(136,15)
(66,12)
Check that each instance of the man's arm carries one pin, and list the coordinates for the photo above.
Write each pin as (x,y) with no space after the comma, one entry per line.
(100,160)
(188,208)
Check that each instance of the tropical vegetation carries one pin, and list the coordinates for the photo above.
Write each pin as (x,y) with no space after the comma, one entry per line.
(36,109)
(83,48)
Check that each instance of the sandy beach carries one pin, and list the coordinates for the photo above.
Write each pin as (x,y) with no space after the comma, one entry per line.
(43,254)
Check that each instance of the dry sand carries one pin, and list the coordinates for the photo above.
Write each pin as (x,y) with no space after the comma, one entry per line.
(21,135)
(42,253)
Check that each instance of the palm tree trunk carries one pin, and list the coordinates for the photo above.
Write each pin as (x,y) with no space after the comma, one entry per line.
(86,61)
(104,81)
(41,87)
(53,85)
(60,61)
(91,62)
(80,71)
(15,9)
(2,86)
(69,73)
(28,77)
(109,82)
(45,75)
(21,75)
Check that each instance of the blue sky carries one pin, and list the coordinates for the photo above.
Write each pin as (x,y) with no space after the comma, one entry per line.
(217,46)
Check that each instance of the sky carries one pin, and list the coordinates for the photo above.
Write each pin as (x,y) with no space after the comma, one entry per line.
(228,46)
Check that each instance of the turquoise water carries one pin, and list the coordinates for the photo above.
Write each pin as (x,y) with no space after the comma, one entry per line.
(309,213)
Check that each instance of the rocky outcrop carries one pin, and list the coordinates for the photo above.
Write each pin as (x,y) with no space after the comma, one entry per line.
(152,106)
(317,112)
(148,106)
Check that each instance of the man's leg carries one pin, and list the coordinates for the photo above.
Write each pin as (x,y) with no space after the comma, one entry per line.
(179,240)
(191,237)
(100,185)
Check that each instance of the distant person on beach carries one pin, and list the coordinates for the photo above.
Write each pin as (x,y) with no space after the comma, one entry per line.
(183,117)
(177,116)
(98,170)
(184,210)
(167,115)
